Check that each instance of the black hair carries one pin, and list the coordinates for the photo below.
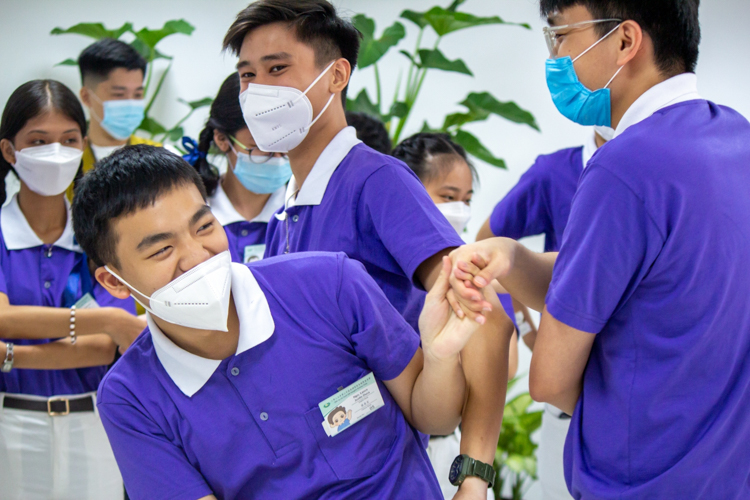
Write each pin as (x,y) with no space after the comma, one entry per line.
(30,100)
(425,154)
(315,22)
(128,180)
(334,412)
(98,60)
(371,131)
(226,117)
(672,25)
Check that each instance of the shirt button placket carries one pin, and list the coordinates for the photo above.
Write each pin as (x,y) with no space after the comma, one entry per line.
(264,416)
(243,232)
(235,371)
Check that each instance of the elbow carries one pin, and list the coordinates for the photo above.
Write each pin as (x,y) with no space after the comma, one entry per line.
(542,389)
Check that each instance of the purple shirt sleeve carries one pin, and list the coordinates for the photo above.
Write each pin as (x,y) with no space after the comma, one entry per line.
(380,335)
(405,218)
(609,245)
(152,465)
(3,284)
(524,211)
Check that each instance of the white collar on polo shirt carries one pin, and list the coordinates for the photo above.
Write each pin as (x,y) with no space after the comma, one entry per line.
(589,148)
(190,372)
(18,234)
(226,214)
(315,185)
(677,89)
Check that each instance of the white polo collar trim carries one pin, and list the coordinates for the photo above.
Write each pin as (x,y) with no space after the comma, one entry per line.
(226,214)
(589,148)
(18,234)
(190,372)
(315,185)
(677,89)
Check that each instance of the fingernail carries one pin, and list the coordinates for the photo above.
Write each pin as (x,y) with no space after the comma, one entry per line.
(480,281)
(486,309)
(481,320)
(461,314)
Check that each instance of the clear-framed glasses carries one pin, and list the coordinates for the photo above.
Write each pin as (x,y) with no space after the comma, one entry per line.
(256,155)
(552,33)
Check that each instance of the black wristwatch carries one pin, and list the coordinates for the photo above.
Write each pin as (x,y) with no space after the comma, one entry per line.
(464,466)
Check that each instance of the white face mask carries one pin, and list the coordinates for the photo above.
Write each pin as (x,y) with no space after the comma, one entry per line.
(198,299)
(279,118)
(458,214)
(48,170)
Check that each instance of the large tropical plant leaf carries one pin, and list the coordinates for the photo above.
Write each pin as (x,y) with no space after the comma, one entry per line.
(96,31)
(434,59)
(152,37)
(445,21)
(474,147)
(484,102)
(371,49)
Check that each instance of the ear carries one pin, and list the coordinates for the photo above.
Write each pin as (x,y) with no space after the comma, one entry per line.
(85,95)
(222,141)
(110,283)
(630,39)
(8,152)
(341,72)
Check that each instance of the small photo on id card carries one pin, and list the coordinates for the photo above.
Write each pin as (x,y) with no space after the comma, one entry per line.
(350,405)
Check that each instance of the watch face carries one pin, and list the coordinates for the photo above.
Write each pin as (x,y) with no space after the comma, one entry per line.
(456,469)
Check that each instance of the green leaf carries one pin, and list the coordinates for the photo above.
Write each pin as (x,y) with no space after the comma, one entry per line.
(458,119)
(455,5)
(152,126)
(399,110)
(410,57)
(146,51)
(484,101)
(415,17)
(445,21)
(175,134)
(68,62)
(96,31)
(372,50)
(363,104)
(152,37)
(475,148)
(426,128)
(434,59)
(206,101)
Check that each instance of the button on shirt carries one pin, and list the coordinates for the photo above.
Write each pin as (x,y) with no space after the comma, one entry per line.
(654,261)
(249,426)
(240,232)
(35,274)
(540,202)
(370,206)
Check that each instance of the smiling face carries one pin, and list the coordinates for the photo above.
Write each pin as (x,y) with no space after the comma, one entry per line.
(159,243)
(338,418)
(47,128)
(453,182)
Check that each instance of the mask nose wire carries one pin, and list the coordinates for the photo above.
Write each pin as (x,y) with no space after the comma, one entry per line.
(597,42)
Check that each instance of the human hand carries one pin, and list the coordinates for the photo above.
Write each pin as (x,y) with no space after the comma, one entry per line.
(123,327)
(473,488)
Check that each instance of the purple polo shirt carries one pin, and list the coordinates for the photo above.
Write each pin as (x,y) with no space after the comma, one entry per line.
(654,261)
(372,207)
(246,238)
(35,274)
(540,202)
(249,426)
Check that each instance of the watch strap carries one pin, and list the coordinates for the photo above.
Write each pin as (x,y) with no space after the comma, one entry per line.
(481,470)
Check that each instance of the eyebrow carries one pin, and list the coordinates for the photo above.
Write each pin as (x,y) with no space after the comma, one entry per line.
(278,56)
(553,18)
(119,87)
(205,209)
(153,239)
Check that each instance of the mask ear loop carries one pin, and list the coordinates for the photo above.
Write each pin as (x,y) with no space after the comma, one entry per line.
(133,289)
(597,42)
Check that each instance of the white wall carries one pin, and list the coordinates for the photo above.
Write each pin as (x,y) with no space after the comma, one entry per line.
(507,61)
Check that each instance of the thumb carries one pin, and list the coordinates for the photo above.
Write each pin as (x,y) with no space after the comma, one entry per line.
(489,272)
(442,285)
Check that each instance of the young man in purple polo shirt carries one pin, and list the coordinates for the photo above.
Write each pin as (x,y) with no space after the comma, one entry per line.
(295,61)
(645,334)
(228,393)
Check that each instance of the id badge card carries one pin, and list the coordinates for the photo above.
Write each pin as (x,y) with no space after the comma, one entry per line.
(253,253)
(86,302)
(350,405)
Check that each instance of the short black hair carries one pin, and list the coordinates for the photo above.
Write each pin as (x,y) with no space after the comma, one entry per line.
(130,179)
(424,154)
(98,60)
(371,131)
(672,25)
(315,23)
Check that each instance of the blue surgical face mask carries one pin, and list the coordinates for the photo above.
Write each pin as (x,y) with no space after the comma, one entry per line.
(121,117)
(262,178)
(572,98)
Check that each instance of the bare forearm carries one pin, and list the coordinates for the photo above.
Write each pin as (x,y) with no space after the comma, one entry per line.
(529,276)
(485,364)
(438,396)
(93,350)
(36,322)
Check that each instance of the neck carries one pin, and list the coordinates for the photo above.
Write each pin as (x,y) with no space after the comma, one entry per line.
(47,215)
(100,137)
(631,90)
(247,203)
(209,344)
(302,159)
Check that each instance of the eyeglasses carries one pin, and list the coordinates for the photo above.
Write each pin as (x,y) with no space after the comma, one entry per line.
(551,33)
(256,155)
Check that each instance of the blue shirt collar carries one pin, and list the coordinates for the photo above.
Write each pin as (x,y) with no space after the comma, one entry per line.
(18,234)
(190,372)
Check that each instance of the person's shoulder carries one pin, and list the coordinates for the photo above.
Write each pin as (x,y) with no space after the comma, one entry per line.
(134,140)
(548,164)
(124,380)
(307,266)
(365,161)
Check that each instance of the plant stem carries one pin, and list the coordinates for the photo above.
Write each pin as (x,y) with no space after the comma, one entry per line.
(377,85)
(158,87)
